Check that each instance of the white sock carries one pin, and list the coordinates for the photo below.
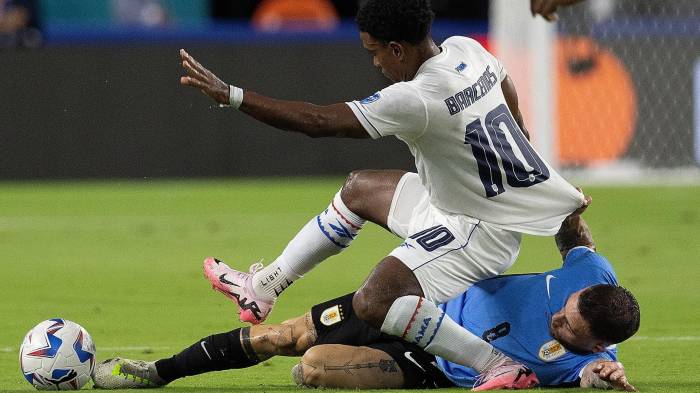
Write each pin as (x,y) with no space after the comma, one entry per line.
(421,322)
(323,236)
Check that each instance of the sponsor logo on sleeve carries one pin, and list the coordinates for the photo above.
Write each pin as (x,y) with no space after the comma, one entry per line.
(551,351)
(331,316)
(374,97)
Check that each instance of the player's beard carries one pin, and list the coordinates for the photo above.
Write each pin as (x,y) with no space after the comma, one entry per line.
(568,346)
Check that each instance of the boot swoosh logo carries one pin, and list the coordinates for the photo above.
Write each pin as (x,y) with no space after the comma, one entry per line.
(548,279)
(222,278)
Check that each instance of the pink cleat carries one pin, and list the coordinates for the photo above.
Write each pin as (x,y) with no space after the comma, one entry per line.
(506,375)
(238,287)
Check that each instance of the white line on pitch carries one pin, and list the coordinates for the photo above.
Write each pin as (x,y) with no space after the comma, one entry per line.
(144,348)
(666,338)
(129,348)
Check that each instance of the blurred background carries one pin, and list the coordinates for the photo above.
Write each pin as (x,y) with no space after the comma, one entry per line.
(115,181)
(90,88)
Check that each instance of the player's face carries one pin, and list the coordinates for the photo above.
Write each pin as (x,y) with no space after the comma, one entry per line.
(384,56)
(571,330)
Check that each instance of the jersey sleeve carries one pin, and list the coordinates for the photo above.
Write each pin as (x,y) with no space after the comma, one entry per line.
(576,253)
(397,110)
(575,375)
(585,258)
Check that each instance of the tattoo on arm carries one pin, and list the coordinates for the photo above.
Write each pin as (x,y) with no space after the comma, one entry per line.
(384,365)
(574,232)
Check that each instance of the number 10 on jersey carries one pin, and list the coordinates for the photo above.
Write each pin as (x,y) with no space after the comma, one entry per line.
(517,175)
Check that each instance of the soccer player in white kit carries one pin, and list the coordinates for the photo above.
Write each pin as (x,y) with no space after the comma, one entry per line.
(479,186)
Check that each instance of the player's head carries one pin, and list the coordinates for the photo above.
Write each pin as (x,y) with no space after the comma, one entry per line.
(596,317)
(391,30)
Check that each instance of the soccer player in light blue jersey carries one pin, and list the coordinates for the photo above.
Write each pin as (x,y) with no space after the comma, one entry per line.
(562,324)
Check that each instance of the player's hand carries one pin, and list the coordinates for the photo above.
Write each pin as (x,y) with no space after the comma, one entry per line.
(614,373)
(548,8)
(587,200)
(203,79)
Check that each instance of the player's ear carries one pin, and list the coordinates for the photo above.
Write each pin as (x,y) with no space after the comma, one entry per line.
(397,50)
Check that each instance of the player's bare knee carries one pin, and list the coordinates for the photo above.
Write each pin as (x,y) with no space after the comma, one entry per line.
(291,338)
(368,308)
(360,305)
(309,371)
(314,357)
(353,191)
(305,331)
(373,301)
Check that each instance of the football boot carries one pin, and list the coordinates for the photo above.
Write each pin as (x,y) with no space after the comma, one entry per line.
(507,374)
(119,373)
(238,286)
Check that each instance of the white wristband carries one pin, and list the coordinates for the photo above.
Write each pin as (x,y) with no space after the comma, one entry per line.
(235,96)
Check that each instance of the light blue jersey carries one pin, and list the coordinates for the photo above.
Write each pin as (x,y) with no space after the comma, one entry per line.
(514,312)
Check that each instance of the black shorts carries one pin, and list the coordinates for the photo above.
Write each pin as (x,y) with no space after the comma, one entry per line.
(336,323)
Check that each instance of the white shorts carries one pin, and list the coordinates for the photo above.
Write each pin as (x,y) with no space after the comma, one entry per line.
(447,252)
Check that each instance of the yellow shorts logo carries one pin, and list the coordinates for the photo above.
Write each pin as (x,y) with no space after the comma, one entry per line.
(331,316)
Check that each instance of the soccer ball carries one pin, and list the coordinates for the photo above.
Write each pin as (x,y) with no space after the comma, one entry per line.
(57,355)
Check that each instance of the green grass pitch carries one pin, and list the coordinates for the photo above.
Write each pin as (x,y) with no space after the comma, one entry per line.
(124,260)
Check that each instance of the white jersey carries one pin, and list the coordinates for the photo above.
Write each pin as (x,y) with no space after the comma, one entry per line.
(470,153)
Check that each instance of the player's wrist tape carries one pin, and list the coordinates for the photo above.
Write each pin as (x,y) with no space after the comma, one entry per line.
(235,96)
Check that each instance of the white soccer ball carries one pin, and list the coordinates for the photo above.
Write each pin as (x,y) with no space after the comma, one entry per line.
(57,355)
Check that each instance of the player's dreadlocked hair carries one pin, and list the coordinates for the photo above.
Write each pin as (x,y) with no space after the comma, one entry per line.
(611,311)
(396,20)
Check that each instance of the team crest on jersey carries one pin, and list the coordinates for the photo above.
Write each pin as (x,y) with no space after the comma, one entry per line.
(551,351)
(461,67)
(374,97)
(331,316)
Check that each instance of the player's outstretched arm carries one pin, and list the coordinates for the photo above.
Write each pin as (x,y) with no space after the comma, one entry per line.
(548,8)
(605,375)
(511,96)
(574,231)
(335,120)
